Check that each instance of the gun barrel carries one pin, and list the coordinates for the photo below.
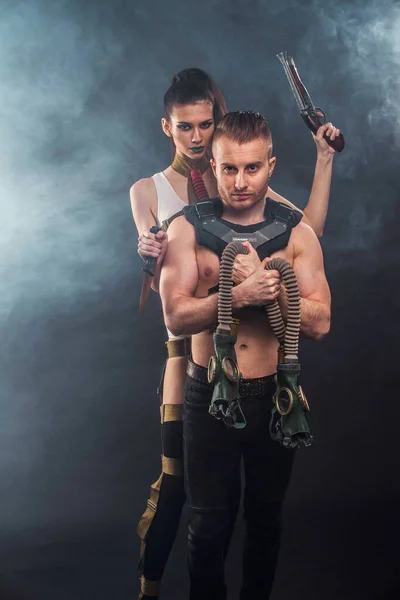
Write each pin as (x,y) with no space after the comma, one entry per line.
(299,90)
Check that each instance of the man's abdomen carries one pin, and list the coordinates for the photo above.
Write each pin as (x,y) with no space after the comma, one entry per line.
(256,346)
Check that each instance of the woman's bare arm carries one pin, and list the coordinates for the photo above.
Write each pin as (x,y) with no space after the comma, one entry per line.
(316,210)
(143,197)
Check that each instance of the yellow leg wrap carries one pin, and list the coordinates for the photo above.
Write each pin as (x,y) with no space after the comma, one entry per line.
(171,412)
(179,347)
(148,588)
(172,466)
(148,515)
(169,507)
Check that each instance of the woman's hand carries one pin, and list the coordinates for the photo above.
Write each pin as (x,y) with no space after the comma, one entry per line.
(152,244)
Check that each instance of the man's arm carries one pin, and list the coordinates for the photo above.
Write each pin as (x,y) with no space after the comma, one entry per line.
(183,313)
(313,286)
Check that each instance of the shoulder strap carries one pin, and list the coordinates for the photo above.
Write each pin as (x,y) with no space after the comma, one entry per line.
(167,222)
(283,211)
(267,237)
(210,231)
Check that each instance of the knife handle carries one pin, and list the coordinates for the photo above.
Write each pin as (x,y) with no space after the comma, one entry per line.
(150,264)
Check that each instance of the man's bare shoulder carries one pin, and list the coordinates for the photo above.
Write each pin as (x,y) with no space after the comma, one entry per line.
(181,228)
(304,238)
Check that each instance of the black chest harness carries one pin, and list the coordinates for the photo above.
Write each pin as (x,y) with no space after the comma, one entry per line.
(266,237)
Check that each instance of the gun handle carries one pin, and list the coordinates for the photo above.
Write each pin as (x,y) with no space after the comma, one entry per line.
(314,123)
(337,143)
(150,264)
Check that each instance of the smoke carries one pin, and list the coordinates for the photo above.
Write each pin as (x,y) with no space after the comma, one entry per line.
(366,38)
(80,101)
(61,152)
(361,41)
(348,54)
(371,34)
(66,148)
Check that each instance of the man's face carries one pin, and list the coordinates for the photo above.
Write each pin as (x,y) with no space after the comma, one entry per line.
(191,127)
(242,171)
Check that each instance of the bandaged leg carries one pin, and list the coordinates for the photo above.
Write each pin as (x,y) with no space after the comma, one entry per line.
(159,524)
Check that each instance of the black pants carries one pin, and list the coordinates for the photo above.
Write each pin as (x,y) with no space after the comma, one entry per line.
(212,458)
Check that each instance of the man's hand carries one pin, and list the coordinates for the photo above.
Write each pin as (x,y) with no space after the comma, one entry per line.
(245,264)
(260,288)
(323,148)
(153,244)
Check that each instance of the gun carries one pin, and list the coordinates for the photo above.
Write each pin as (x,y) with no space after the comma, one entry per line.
(312,116)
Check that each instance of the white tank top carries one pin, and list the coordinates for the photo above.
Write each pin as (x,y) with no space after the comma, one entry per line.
(169,204)
(168,201)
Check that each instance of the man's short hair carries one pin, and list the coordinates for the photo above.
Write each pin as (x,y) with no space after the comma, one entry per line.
(244,126)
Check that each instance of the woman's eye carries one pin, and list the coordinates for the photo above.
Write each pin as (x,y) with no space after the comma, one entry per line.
(206,125)
(184,127)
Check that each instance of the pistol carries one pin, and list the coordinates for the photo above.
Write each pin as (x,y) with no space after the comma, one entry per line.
(312,116)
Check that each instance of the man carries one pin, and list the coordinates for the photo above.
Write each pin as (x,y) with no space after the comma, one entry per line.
(242,164)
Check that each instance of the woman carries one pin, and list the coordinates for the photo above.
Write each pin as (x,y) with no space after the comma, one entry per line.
(193,107)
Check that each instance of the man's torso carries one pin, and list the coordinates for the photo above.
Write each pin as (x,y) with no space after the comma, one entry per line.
(256,346)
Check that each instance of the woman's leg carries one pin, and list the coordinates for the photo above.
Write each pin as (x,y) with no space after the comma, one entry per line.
(159,524)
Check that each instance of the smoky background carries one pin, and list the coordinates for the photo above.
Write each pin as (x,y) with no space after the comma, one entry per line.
(81,88)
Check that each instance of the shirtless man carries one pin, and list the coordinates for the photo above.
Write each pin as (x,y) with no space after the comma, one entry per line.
(242,164)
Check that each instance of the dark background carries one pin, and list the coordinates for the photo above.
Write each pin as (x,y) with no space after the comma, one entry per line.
(81,87)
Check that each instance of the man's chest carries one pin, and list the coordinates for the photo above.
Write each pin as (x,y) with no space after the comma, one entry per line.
(208,265)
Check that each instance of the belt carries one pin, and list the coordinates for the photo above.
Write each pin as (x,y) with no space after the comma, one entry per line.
(260,386)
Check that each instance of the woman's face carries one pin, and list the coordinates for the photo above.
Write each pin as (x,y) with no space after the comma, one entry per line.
(191,127)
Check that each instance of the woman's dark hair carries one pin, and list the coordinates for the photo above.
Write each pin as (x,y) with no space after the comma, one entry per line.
(190,86)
